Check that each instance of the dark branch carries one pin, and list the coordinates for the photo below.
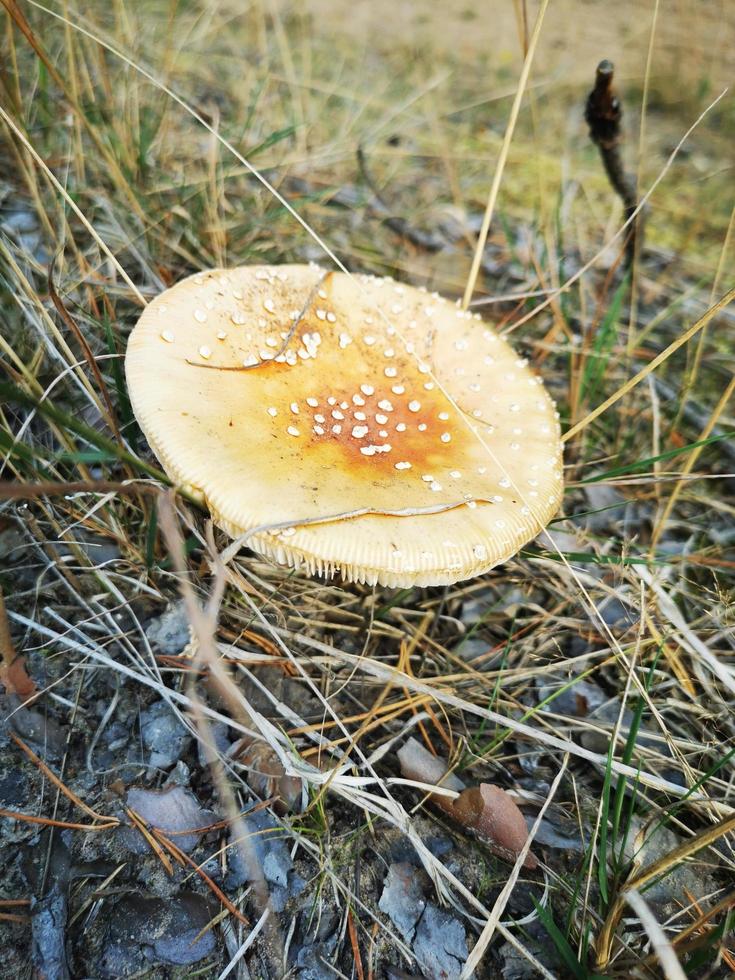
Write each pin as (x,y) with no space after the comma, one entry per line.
(603,113)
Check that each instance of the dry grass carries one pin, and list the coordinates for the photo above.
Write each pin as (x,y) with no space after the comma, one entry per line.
(142,142)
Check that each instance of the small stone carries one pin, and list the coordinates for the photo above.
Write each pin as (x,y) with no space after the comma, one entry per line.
(172,810)
(169,633)
(402,899)
(440,946)
(163,734)
(264,854)
(144,930)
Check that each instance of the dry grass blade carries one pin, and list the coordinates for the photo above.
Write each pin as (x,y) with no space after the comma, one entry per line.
(20,19)
(664,950)
(383,672)
(704,839)
(686,636)
(552,295)
(646,875)
(505,148)
(72,204)
(656,362)
(86,350)
(252,936)
(21,491)
(691,461)
(498,908)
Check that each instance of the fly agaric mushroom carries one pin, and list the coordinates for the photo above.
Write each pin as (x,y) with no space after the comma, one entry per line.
(354,425)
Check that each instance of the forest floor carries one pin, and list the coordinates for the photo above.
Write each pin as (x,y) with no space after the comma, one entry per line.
(158,821)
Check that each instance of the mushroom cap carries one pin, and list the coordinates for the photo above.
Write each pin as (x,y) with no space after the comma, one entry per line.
(355,425)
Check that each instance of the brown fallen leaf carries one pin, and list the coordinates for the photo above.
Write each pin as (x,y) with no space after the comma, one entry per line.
(493,815)
(486,810)
(13,674)
(266,777)
(15,680)
(418,763)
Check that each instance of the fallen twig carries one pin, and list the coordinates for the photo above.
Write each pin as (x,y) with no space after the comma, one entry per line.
(602,114)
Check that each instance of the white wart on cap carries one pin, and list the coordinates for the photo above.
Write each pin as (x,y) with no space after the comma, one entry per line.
(318,402)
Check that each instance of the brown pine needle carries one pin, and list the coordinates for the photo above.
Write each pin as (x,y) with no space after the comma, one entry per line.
(355,946)
(183,858)
(140,824)
(49,822)
(61,786)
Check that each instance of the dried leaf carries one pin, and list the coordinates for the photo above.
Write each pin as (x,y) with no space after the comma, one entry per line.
(485,809)
(15,680)
(418,763)
(266,777)
(494,816)
(13,674)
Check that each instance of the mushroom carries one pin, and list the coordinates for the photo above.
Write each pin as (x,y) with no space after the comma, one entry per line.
(346,424)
